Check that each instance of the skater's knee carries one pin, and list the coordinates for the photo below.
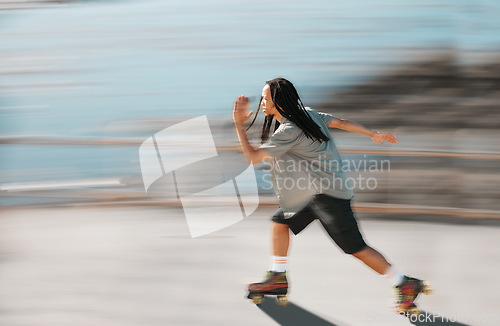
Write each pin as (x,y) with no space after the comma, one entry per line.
(350,243)
(280,227)
(363,252)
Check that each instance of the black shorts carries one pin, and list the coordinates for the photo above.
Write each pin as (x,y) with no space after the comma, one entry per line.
(335,215)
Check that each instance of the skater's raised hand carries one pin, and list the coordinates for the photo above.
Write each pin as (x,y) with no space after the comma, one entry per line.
(240,114)
(379,138)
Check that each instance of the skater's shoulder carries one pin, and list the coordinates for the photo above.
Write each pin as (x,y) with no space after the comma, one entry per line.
(311,110)
(314,112)
(319,116)
(289,125)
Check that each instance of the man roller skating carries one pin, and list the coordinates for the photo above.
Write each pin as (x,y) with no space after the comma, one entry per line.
(300,148)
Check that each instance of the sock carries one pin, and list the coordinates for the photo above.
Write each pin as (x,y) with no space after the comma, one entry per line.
(279,264)
(394,276)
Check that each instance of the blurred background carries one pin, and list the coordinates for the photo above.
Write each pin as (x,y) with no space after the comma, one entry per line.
(84,83)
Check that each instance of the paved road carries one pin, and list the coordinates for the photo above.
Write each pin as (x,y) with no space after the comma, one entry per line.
(138,266)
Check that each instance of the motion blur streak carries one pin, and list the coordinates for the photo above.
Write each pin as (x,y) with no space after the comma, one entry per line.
(84,83)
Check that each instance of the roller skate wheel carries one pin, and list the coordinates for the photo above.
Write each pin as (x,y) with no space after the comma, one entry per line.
(282,300)
(426,288)
(257,298)
(413,311)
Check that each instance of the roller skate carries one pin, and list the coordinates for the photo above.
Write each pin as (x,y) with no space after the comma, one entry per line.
(275,283)
(407,292)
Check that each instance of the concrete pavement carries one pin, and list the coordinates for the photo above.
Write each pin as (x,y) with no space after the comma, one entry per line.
(138,266)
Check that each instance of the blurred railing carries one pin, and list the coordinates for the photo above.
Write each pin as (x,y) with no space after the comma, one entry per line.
(388,198)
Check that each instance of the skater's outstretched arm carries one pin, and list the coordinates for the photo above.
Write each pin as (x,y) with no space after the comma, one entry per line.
(352,126)
(240,115)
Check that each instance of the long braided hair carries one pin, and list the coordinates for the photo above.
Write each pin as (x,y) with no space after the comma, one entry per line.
(288,104)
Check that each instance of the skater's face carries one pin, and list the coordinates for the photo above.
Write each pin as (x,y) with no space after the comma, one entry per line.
(267,103)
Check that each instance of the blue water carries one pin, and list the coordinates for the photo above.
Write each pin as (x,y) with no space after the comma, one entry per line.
(76,70)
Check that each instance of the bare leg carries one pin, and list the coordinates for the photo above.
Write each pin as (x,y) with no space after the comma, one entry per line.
(373,259)
(280,238)
(369,256)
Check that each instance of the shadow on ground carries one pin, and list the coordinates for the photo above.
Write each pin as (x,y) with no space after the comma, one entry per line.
(292,315)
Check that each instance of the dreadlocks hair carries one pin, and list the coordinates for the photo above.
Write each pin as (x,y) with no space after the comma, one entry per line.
(288,104)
